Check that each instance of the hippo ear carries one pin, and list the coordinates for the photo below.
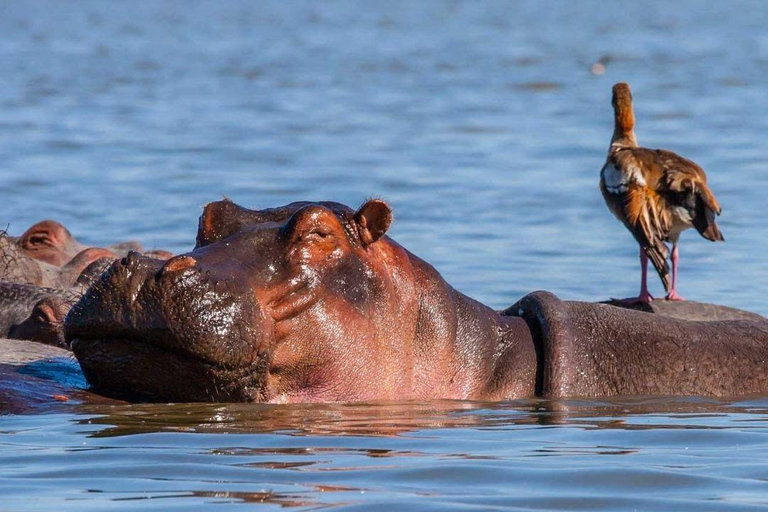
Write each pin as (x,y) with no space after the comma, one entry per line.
(373,220)
(49,311)
(222,219)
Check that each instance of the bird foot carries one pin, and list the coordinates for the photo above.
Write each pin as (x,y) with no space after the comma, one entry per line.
(673,295)
(643,298)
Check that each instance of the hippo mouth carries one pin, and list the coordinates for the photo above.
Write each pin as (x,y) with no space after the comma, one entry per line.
(135,369)
(144,334)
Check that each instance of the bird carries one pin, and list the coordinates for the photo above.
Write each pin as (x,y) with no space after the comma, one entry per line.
(656,194)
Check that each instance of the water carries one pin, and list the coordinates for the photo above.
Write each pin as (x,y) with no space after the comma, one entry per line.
(628,454)
(484,127)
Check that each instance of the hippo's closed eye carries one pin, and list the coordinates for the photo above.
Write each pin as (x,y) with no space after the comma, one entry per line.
(50,242)
(48,233)
(314,224)
(38,239)
(316,233)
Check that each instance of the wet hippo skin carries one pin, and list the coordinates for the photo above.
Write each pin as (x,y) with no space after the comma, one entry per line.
(40,378)
(313,302)
(43,272)
(35,313)
(601,350)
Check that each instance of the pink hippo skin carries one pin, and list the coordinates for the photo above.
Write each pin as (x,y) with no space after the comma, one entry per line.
(48,255)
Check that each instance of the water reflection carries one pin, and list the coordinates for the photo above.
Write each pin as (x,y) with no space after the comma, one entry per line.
(219,497)
(655,453)
(485,125)
(405,418)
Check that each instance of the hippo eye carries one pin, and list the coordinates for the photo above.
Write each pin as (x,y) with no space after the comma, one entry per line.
(39,240)
(316,234)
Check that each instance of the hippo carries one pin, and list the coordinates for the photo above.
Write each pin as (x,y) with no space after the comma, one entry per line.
(38,378)
(51,242)
(43,272)
(34,312)
(35,294)
(18,265)
(313,302)
(30,312)
(48,255)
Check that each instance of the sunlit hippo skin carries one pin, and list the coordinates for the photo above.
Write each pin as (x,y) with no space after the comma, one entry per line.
(312,302)
(52,243)
(48,255)
(17,266)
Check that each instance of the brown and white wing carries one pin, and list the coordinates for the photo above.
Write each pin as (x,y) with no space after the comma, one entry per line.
(627,192)
(684,185)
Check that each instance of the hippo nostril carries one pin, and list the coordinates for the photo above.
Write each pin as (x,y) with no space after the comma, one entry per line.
(176,264)
(131,259)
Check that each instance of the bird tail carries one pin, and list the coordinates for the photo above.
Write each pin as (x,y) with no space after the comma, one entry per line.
(658,253)
(704,215)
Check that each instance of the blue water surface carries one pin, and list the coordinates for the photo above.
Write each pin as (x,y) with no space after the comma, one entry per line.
(484,125)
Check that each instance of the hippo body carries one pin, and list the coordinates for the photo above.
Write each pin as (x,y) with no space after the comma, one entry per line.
(38,378)
(36,313)
(590,350)
(312,302)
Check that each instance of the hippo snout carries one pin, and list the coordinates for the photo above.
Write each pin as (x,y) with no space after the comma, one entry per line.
(175,312)
(130,259)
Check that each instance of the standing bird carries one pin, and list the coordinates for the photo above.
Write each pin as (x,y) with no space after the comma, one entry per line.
(656,194)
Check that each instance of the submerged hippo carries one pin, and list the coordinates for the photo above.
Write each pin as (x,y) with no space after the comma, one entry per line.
(30,312)
(51,242)
(34,312)
(312,302)
(48,255)
(42,273)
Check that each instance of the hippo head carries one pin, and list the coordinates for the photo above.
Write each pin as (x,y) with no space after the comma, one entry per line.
(25,260)
(51,242)
(285,304)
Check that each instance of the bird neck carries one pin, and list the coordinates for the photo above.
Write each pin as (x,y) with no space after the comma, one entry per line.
(624,123)
(623,139)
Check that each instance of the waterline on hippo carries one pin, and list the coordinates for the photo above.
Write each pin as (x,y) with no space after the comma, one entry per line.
(313,302)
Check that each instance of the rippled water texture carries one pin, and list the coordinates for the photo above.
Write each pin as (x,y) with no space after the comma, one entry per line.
(485,127)
(526,455)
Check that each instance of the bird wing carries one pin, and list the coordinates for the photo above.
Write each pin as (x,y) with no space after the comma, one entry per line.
(636,202)
(684,184)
